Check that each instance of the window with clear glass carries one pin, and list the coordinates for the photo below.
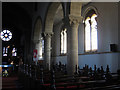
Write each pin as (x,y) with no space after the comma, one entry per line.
(42,45)
(91,40)
(40,49)
(64,41)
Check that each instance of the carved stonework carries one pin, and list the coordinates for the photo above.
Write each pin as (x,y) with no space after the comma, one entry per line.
(75,19)
(65,22)
(36,41)
(48,34)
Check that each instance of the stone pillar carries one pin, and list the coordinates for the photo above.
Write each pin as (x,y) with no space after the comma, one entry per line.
(47,50)
(56,42)
(73,44)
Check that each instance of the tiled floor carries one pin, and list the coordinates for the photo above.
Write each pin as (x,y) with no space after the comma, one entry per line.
(11,82)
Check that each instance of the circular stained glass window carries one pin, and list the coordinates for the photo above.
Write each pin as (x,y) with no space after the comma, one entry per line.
(6,35)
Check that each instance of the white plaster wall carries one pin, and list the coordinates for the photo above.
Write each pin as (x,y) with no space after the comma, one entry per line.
(107,26)
(107,34)
(62,59)
(99,60)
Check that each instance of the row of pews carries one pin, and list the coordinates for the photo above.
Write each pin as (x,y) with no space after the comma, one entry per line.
(33,76)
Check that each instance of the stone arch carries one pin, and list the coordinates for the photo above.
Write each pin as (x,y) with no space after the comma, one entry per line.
(37,37)
(49,22)
(88,9)
(50,16)
(75,18)
(37,29)
(75,9)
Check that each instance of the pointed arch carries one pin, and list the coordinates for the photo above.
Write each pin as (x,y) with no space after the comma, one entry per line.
(91,35)
(88,9)
(37,29)
(38,39)
(51,15)
(75,8)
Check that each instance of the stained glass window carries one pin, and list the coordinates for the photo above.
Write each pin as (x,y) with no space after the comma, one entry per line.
(64,41)
(6,35)
(5,51)
(14,52)
(91,40)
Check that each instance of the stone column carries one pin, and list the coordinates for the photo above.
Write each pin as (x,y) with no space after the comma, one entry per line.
(47,50)
(73,44)
(56,41)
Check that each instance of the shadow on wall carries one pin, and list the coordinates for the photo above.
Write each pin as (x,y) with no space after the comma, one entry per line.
(99,60)
(62,59)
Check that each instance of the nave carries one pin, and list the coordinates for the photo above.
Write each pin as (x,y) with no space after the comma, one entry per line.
(78,43)
(32,76)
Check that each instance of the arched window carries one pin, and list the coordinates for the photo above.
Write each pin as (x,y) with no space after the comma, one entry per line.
(14,52)
(5,51)
(41,49)
(64,41)
(91,40)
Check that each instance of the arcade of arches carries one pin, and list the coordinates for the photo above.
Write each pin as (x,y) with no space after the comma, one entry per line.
(73,33)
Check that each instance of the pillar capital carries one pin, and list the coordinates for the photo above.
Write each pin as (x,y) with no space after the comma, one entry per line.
(48,34)
(75,19)
(36,41)
(65,21)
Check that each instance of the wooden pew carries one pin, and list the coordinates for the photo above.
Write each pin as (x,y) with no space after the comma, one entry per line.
(46,80)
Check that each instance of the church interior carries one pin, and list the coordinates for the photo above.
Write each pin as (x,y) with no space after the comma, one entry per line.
(60,45)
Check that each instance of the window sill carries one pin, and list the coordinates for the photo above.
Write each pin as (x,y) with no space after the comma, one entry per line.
(88,53)
(63,54)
